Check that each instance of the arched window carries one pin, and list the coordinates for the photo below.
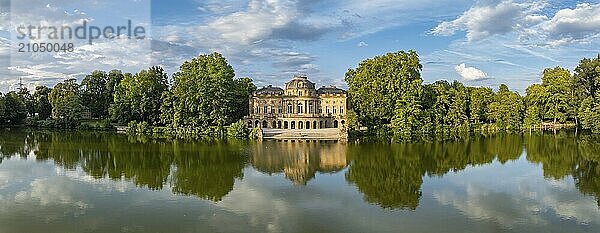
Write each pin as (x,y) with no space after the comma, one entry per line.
(285,124)
(264,124)
(300,125)
(335,124)
(307,124)
(293,125)
(299,109)
(289,108)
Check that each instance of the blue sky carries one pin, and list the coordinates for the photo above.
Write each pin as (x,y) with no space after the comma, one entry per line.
(481,43)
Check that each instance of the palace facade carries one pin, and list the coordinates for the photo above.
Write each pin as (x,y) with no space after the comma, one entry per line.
(298,106)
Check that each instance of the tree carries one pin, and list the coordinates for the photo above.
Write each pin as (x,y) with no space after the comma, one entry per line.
(138,97)
(535,100)
(588,75)
(206,94)
(377,84)
(507,109)
(43,108)
(66,100)
(557,82)
(480,99)
(13,109)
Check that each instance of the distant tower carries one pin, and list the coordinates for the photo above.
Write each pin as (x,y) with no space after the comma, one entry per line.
(20,84)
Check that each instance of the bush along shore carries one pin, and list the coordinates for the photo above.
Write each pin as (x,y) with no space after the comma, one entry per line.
(387,99)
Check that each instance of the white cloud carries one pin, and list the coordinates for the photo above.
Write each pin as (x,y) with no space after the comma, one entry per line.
(362,44)
(528,22)
(483,21)
(256,23)
(570,25)
(470,73)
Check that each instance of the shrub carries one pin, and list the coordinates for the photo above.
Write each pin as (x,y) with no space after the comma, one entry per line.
(238,130)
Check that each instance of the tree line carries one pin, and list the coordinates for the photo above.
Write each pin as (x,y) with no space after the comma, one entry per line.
(202,98)
(389,98)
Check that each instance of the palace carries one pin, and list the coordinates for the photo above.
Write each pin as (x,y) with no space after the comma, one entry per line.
(298,106)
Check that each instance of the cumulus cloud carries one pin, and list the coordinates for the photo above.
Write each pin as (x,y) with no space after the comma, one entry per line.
(528,21)
(362,44)
(483,21)
(470,73)
(570,25)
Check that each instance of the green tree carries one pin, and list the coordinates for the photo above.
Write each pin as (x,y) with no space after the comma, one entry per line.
(507,109)
(535,100)
(65,99)
(206,94)
(377,84)
(13,109)
(558,84)
(138,97)
(588,75)
(95,94)
(480,100)
(43,108)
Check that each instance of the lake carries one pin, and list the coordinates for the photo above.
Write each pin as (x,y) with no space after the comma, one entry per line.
(102,182)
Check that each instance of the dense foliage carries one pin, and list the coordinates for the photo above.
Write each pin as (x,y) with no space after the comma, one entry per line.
(389,98)
(205,94)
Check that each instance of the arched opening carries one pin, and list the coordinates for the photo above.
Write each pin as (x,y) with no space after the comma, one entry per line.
(314,124)
(335,124)
(320,124)
(279,124)
(256,124)
(274,125)
(285,124)
(300,125)
(265,124)
(293,125)
(249,124)
(343,123)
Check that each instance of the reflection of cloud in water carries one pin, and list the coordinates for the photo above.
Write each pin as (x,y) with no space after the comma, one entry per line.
(516,201)
(263,210)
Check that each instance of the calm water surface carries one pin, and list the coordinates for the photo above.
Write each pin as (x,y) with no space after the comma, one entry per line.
(97,182)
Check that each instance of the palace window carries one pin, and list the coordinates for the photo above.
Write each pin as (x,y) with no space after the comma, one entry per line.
(342,110)
(334,110)
(289,108)
(311,108)
(257,109)
(265,109)
(327,109)
(280,109)
(299,109)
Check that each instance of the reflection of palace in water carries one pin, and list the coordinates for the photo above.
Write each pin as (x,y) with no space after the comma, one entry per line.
(299,160)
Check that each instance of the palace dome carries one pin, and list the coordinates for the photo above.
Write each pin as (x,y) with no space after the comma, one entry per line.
(300,82)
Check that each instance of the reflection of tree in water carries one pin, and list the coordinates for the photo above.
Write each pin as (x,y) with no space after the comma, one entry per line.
(298,160)
(388,175)
(563,155)
(14,143)
(207,171)
(391,176)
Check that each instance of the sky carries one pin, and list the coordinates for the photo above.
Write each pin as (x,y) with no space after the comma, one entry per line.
(480,43)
